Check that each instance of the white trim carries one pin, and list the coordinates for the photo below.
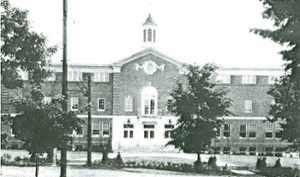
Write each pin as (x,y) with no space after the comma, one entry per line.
(130,105)
(243,118)
(252,131)
(251,71)
(77,135)
(248,106)
(102,110)
(152,91)
(72,103)
(243,132)
(95,135)
(108,129)
(101,77)
(98,116)
(11,132)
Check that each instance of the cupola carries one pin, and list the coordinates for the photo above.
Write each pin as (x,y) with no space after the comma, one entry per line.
(149,33)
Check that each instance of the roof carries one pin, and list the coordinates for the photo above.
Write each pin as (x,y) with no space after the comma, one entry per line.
(146,52)
(149,21)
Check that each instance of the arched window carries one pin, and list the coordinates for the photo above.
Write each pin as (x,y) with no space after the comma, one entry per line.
(144,35)
(149,35)
(149,100)
(154,34)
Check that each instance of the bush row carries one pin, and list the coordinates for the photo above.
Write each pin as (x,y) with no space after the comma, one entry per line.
(275,171)
(207,168)
(23,161)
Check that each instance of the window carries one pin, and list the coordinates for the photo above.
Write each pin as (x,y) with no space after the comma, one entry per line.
(224,79)
(74,76)
(226,130)
(252,130)
(101,104)
(105,128)
(96,129)
(278,129)
(269,131)
(79,131)
(128,130)
(149,35)
(226,150)
(168,129)
(252,150)
(128,104)
(154,34)
(149,131)
(74,104)
(52,77)
(243,131)
(101,77)
(273,79)
(248,106)
(249,79)
(242,150)
(149,100)
(144,35)
(47,99)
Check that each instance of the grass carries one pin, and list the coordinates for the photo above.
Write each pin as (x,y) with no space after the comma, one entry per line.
(241,160)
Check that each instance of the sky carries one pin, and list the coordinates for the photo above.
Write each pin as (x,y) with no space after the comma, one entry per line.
(194,31)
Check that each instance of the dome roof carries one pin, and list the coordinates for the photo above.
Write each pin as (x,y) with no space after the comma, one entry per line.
(149,21)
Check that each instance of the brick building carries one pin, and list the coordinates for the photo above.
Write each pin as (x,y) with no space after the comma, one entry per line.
(130,98)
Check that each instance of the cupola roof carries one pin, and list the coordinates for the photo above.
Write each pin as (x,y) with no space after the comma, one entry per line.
(149,21)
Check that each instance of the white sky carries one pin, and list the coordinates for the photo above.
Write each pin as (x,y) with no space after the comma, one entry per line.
(194,31)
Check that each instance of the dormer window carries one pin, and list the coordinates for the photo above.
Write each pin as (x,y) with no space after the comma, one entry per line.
(74,76)
(249,79)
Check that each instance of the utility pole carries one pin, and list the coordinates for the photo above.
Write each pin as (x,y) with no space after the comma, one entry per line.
(63,165)
(89,139)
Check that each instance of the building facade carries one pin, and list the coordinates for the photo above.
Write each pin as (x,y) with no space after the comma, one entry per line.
(130,101)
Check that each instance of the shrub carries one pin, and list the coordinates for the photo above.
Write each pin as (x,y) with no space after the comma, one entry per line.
(212,162)
(6,157)
(258,163)
(280,172)
(277,164)
(261,163)
(18,159)
(119,161)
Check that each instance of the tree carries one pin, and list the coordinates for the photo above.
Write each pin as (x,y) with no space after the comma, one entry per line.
(42,126)
(199,105)
(287,108)
(286,17)
(21,48)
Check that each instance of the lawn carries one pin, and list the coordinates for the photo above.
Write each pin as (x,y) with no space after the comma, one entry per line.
(9,171)
(241,160)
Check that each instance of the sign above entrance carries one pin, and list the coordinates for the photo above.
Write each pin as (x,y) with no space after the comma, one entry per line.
(150,67)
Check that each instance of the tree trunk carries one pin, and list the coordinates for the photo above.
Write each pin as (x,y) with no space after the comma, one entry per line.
(198,159)
(36,165)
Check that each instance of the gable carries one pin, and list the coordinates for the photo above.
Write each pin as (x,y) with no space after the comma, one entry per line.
(146,52)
